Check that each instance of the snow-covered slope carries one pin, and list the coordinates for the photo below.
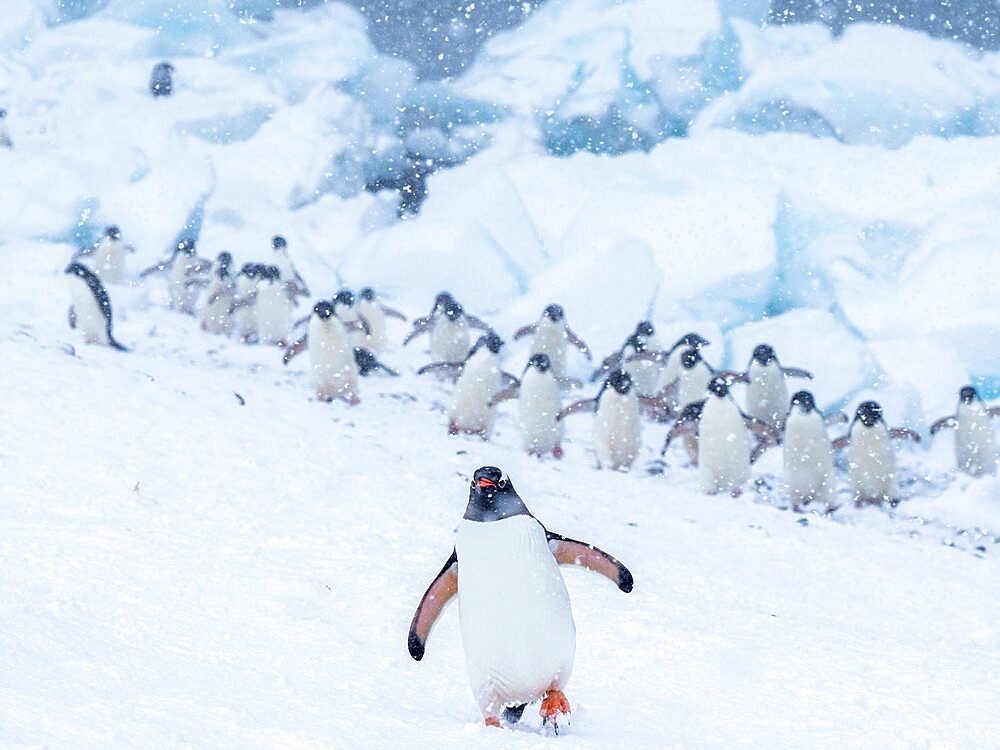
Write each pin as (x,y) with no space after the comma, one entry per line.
(195,553)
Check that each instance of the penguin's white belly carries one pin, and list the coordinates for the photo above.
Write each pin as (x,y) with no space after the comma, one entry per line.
(872,464)
(215,314)
(975,444)
(244,319)
(334,371)
(670,372)
(645,375)
(372,313)
(723,455)
(516,620)
(540,401)
(617,430)
(183,295)
(109,261)
(479,382)
(693,384)
(449,341)
(808,459)
(89,318)
(274,314)
(550,339)
(767,395)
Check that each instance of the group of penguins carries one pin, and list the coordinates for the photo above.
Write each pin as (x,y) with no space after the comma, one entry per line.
(644,380)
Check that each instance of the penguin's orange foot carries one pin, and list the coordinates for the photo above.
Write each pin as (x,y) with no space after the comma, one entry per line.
(452,428)
(557,452)
(493,721)
(553,704)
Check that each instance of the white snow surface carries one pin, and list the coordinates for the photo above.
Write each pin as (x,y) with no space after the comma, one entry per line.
(197,554)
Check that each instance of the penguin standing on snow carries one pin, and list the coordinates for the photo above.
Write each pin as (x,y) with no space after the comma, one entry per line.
(671,372)
(292,280)
(550,337)
(480,379)
(90,307)
(975,442)
(243,311)
(724,457)
(448,325)
(539,401)
(186,275)
(514,610)
(161,80)
(274,308)
(375,313)
(215,312)
(767,393)
(808,454)
(334,371)
(617,426)
(871,459)
(108,255)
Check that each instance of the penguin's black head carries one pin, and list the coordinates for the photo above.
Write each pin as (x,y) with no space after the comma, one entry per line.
(693,340)
(718,386)
(452,310)
(344,297)
(278,242)
(637,342)
(644,328)
(250,270)
(869,413)
(489,340)
(186,246)
(968,395)
(222,264)
(763,354)
(323,309)
(555,313)
(492,496)
(367,294)
(442,300)
(620,380)
(804,400)
(165,67)
(689,358)
(270,273)
(112,231)
(540,362)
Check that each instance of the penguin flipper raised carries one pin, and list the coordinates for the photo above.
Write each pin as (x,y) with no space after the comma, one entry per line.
(686,423)
(438,594)
(572,552)
(579,344)
(904,433)
(444,370)
(943,423)
(796,372)
(391,312)
(295,349)
(524,331)
(587,403)
(420,325)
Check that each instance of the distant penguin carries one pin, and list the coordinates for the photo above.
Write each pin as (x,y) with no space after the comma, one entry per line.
(244,310)
(617,425)
(767,393)
(670,373)
(550,335)
(5,141)
(347,311)
(161,80)
(540,400)
(90,308)
(975,441)
(332,363)
(109,256)
(274,308)
(694,376)
(294,285)
(514,610)
(374,313)
(724,456)
(808,454)
(871,459)
(186,275)
(215,310)
(448,325)
(645,372)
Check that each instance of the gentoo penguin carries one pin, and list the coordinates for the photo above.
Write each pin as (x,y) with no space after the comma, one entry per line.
(448,325)
(161,80)
(871,460)
(767,394)
(5,141)
(645,372)
(808,454)
(292,280)
(513,607)
(186,275)
(215,311)
(109,256)
(243,311)
(274,307)
(550,336)
(368,363)
(480,379)
(670,373)
(540,400)
(332,363)
(975,442)
(724,457)
(617,426)
(347,311)
(90,307)
(375,313)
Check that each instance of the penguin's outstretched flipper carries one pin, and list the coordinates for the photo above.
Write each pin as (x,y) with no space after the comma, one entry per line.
(420,325)
(571,552)
(438,594)
(444,370)
(368,363)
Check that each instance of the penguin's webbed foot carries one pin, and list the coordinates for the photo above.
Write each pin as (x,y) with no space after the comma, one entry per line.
(493,721)
(553,704)
(557,452)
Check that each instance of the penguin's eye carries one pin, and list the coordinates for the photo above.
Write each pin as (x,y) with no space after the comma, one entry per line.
(502,483)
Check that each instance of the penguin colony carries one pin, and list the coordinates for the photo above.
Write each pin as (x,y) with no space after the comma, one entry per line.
(644,382)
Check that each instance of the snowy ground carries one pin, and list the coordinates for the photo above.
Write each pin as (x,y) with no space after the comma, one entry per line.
(195,554)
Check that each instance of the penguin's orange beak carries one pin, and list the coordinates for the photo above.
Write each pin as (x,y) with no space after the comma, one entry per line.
(484,482)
